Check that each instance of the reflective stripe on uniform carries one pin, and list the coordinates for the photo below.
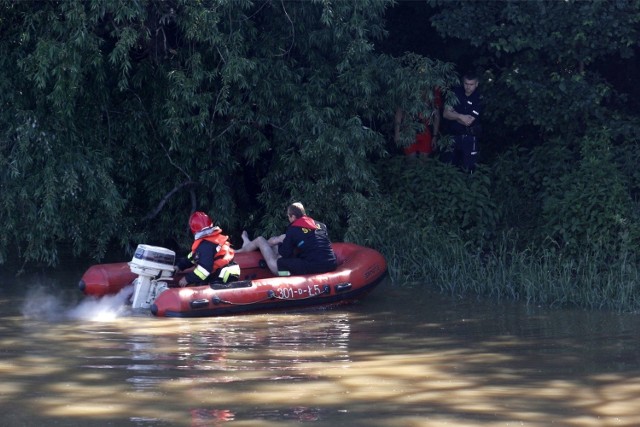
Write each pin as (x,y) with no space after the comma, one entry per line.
(228,271)
(201,272)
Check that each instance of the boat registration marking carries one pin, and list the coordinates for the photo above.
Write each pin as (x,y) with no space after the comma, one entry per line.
(292,293)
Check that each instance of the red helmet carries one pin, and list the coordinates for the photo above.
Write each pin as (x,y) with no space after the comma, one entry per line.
(198,221)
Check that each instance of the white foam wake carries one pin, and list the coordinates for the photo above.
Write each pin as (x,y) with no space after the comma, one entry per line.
(104,308)
(42,304)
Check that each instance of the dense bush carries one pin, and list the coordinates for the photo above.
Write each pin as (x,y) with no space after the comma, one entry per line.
(431,238)
(571,201)
(589,209)
(424,209)
(120,118)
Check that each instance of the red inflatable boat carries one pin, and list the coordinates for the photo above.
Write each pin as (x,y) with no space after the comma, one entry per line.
(150,272)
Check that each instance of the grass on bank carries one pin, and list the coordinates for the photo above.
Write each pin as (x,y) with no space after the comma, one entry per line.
(433,257)
(441,262)
(512,231)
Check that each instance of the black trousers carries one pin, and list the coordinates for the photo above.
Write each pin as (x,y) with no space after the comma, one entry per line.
(465,152)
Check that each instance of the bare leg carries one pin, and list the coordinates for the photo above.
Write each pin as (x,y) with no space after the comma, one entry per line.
(245,238)
(270,253)
(247,245)
(253,245)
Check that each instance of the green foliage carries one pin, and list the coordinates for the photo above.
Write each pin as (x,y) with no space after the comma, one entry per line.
(519,177)
(625,137)
(414,250)
(589,209)
(236,108)
(121,117)
(433,193)
(571,201)
(124,116)
(544,277)
(540,54)
(424,250)
(425,214)
(57,177)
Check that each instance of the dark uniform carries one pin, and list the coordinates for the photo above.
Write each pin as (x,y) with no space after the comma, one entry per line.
(212,256)
(465,147)
(306,248)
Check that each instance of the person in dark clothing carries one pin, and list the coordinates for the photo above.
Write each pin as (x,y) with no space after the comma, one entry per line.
(211,256)
(462,121)
(304,248)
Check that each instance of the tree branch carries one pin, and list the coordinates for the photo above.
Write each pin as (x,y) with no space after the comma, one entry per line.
(166,198)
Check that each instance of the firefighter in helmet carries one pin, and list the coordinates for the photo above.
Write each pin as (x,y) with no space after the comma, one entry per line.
(211,256)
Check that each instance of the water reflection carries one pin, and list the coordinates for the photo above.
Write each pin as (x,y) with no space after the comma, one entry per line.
(400,358)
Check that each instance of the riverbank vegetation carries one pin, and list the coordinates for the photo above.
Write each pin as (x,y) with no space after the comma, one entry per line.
(119,118)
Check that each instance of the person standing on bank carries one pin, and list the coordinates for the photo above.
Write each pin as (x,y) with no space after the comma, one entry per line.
(211,256)
(425,141)
(462,121)
(304,248)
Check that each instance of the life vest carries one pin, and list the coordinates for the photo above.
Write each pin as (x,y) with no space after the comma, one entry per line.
(306,223)
(224,253)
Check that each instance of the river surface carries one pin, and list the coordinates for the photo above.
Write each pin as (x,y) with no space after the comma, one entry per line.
(400,357)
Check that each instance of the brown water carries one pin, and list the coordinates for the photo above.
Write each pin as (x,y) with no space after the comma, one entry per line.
(401,357)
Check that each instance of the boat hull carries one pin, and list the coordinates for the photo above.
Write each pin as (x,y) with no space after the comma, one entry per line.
(360,269)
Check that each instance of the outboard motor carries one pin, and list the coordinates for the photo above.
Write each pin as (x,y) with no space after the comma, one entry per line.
(153,265)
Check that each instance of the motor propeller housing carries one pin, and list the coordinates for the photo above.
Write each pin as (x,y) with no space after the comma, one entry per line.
(152,264)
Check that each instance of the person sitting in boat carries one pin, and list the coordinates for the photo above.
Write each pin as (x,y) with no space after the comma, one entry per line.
(305,247)
(211,256)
